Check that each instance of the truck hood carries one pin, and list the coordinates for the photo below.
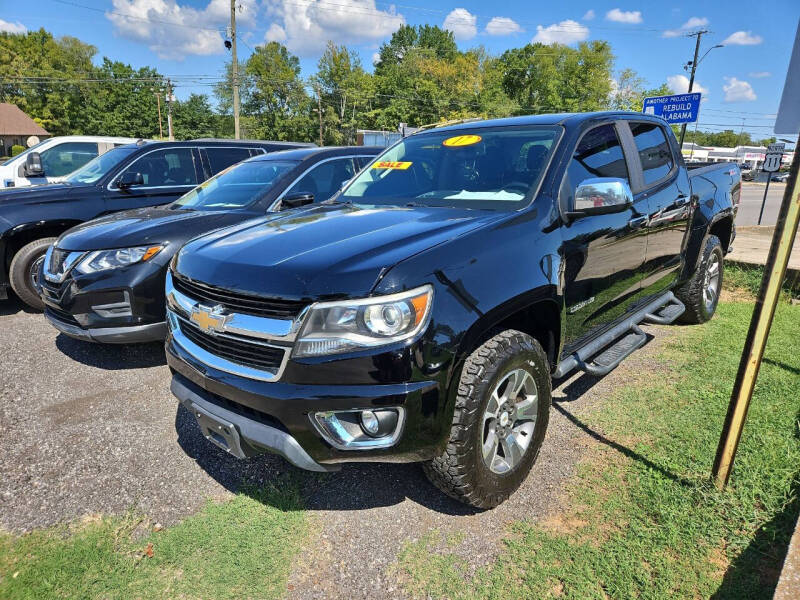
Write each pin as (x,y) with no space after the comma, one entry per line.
(326,252)
(37,193)
(144,226)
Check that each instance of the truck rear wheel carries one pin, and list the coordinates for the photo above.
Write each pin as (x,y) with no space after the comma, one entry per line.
(500,419)
(24,271)
(701,293)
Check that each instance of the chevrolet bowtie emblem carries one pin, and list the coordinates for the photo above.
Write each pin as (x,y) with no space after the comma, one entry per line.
(209,319)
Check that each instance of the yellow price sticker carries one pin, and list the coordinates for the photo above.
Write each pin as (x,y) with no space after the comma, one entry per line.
(388,164)
(461,140)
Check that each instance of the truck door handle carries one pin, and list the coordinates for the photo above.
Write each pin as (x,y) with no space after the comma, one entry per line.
(637,222)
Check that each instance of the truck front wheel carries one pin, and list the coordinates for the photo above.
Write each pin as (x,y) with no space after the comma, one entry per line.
(501,413)
(24,271)
(701,293)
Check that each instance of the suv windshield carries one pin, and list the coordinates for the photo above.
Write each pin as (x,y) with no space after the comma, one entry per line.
(488,168)
(99,166)
(237,186)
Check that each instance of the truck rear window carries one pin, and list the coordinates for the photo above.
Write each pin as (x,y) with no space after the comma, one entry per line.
(489,168)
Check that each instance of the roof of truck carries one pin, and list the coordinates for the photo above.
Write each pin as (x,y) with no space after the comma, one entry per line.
(326,151)
(544,119)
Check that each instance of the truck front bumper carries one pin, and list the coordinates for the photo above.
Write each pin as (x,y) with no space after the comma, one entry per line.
(281,417)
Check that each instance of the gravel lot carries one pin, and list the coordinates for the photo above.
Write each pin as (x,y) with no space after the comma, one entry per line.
(88,429)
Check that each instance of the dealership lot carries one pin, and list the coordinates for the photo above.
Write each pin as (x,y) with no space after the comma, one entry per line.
(88,429)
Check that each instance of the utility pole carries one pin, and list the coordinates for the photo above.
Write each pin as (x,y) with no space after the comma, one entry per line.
(158,103)
(169,111)
(319,110)
(698,35)
(236,132)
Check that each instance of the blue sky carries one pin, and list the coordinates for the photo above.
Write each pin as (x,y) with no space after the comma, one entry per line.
(742,81)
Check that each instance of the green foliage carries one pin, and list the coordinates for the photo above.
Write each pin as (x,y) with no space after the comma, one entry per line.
(629,91)
(17,149)
(558,78)
(643,520)
(726,139)
(243,548)
(194,118)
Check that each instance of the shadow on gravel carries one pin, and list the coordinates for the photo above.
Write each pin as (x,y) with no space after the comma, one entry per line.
(113,357)
(357,486)
(14,305)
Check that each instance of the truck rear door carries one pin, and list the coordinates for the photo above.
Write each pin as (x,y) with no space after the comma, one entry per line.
(662,184)
(603,253)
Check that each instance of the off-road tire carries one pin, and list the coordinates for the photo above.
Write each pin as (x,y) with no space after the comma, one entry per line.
(19,272)
(460,472)
(691,292)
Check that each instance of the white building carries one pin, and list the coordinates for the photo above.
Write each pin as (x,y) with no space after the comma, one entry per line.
(749,157)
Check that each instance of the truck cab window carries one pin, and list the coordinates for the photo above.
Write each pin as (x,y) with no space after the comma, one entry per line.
(65,158)
(654,151)
(599,154)
(222,158)
(325,179)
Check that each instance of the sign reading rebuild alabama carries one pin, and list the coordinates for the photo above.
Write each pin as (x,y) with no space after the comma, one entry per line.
(679,108)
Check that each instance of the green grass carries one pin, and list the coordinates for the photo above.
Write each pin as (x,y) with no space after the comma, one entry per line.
(643,521)
(748,277)
(242,548)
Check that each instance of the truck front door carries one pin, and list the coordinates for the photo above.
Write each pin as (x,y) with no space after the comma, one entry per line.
(603,253)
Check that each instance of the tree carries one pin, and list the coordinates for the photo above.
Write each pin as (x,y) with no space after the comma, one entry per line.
(194,118)
(628,91)
(345,90)
(557,78)
(409,40)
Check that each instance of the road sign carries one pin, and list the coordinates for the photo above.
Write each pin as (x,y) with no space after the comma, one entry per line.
(675,109)
(772,161)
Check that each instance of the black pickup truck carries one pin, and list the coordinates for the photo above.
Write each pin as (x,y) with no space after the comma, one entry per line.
(422,313)
(131,176)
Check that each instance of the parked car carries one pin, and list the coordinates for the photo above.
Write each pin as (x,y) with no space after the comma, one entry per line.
(422,314)
(781,177)
(103,280)
(130,176)
(53,159)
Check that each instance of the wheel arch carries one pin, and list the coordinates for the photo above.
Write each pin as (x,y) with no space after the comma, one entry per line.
(538,313)
(723,229)
(17,237)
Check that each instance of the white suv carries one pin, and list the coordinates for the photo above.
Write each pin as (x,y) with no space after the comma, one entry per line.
(55,158)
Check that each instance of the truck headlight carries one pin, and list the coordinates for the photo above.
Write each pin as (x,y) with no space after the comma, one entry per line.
(100,260)
(347,325)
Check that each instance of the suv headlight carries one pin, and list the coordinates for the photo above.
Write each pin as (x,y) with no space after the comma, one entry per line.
(100,260)
(347,325)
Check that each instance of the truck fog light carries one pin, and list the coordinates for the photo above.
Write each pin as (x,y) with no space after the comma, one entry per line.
(370,422)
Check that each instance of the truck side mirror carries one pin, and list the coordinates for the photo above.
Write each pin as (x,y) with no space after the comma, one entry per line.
(296,199)
(600,196)
(33,165)
(130,179)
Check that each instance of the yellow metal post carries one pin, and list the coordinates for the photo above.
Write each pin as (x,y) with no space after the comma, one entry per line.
(763,313)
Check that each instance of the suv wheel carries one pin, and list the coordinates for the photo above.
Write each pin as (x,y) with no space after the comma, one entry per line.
(701,293)
(500,419)
(24,271)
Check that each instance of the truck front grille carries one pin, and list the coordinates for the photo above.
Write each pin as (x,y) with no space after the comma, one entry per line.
(238,302)
(236,349)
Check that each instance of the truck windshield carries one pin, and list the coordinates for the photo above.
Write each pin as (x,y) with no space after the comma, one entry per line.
(488,168)
(237,186)
(100,165)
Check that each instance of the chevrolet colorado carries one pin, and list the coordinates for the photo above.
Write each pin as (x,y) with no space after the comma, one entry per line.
(422,313)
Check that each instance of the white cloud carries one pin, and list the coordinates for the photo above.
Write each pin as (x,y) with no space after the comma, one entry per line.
(589,15)
(462,23)
(743,38)
(502,26)
(376,58)
(9,27)
(679,84)
(737,90)
(309,25)
(172,30)
(624,16)
(565,32)
(692,23)
(275,33)
(759,74)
